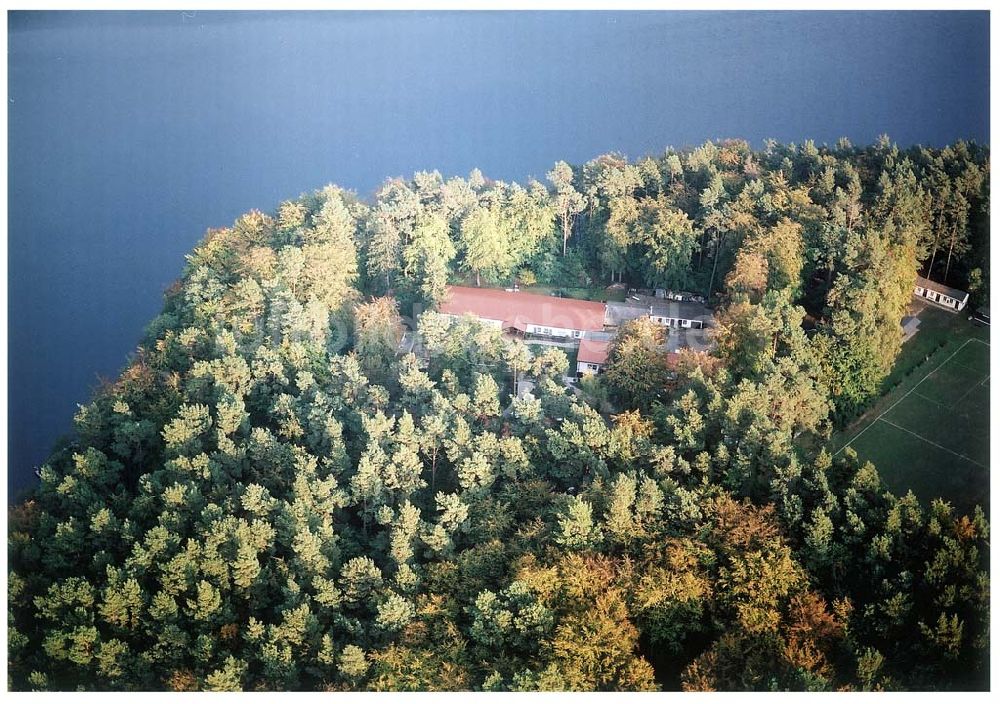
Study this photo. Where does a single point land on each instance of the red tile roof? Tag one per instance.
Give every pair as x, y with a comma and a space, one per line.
593, 351
518, 309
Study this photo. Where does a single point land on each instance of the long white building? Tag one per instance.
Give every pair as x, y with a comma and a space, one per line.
945, 296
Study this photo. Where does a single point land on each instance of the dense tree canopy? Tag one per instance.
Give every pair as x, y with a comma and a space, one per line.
273, 495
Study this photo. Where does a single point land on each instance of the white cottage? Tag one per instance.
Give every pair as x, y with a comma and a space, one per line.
944, 296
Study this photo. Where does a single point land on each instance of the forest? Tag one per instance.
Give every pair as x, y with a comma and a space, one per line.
271, 496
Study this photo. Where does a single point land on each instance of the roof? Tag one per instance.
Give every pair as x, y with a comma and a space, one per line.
593, 351
516, 309
618, 313
929, 285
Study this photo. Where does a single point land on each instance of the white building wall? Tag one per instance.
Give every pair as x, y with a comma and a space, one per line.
587, 368
532, 328
554, 332
940, 298
675, 322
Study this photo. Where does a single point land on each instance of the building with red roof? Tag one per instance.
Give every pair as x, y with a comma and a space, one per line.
526, 313
592, 356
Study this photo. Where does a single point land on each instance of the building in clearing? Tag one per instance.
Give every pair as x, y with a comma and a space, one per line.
944, 296
592, 356
672, 314
525, 313
592, 324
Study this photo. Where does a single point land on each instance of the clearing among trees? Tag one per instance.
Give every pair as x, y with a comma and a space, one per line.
933, 437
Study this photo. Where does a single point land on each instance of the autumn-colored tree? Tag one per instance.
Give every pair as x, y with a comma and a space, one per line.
378, 330
637, 368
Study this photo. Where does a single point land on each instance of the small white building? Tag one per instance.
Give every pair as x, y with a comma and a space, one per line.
592, 356
944, 296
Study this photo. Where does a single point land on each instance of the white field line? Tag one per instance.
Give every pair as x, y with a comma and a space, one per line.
926, 398
931, 442
900, 400
971, 389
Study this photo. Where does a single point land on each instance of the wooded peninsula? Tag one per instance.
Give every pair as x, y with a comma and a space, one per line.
309, 477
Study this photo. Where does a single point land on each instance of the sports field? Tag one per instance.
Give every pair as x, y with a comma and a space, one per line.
931, 435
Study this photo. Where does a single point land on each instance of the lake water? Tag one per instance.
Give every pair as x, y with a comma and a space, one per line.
130, 134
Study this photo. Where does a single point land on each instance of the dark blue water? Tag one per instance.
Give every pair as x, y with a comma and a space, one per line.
129, 135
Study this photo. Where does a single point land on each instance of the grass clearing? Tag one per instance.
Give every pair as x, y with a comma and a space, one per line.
907, 463
958, 427
930, 432
940, 330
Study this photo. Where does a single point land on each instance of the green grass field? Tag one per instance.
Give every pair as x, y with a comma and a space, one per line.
940, 330
930, 433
